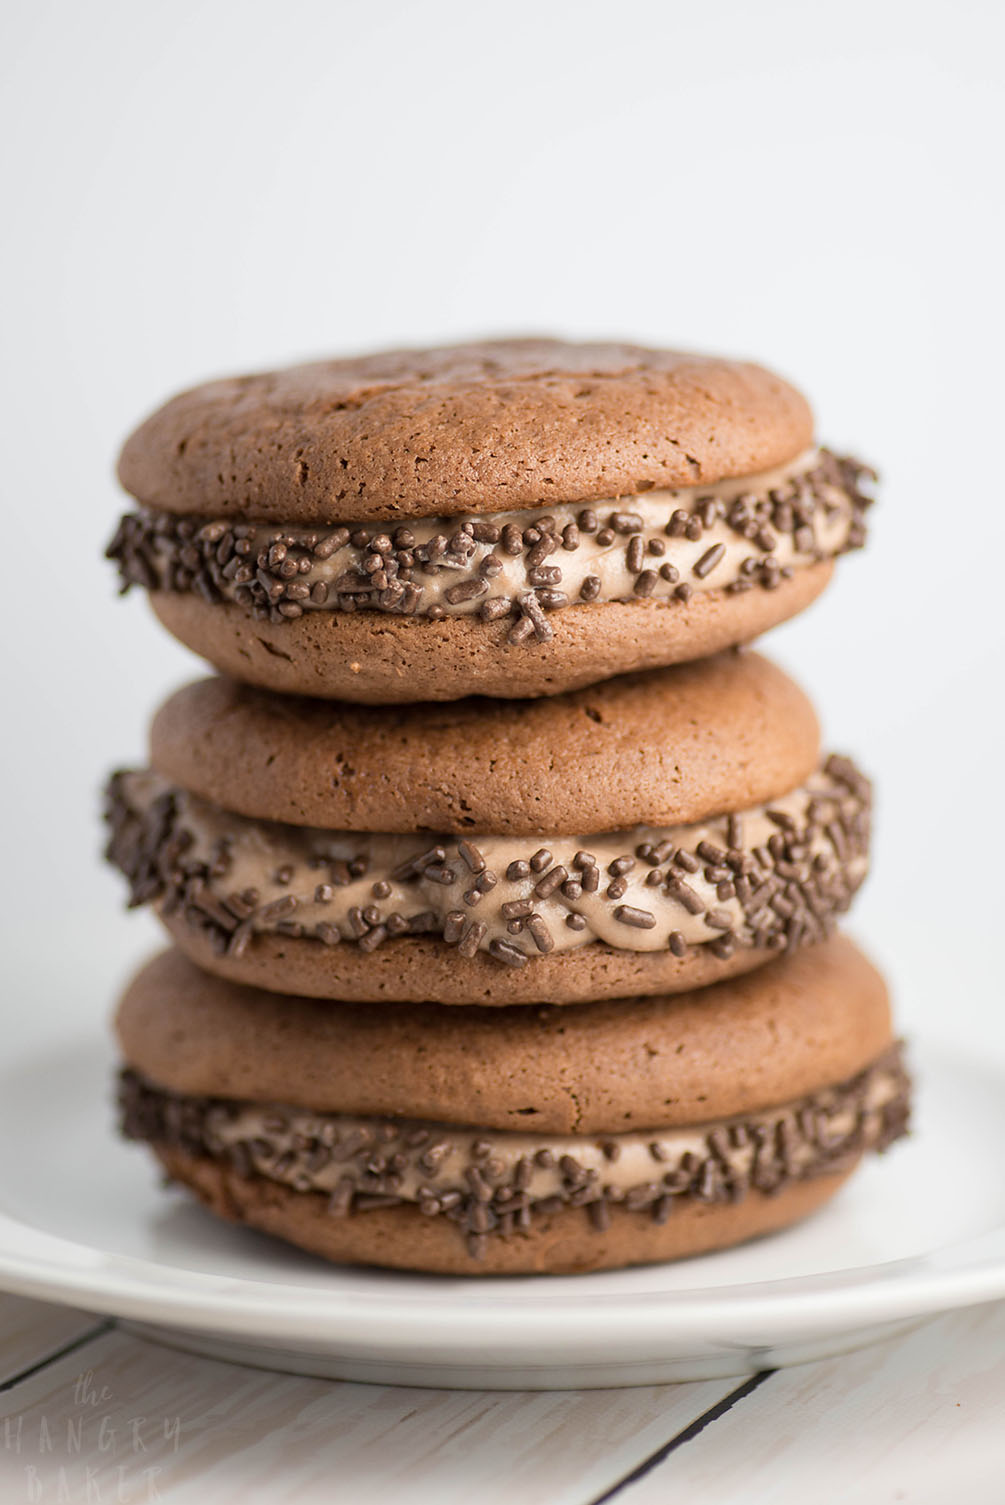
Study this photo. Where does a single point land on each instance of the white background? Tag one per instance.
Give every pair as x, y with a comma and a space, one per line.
195, 188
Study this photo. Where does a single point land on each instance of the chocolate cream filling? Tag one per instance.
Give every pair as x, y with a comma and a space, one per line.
665, 545
491, 1182
775, 876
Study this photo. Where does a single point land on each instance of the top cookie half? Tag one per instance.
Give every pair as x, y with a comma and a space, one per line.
515, 517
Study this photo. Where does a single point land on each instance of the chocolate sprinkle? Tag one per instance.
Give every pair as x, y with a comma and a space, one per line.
708, 561
642, 919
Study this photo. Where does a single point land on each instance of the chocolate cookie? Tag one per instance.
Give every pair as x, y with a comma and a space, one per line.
514, 518
541, 1140
653, 833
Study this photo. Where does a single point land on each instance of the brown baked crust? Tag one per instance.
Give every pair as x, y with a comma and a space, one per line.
482, 427
377, 659
657, 748
559, 1243
778, 1034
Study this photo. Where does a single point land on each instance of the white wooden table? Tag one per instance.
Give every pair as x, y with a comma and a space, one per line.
90, 1413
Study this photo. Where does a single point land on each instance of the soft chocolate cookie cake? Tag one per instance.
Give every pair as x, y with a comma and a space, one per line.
512, 518
516, 1141
655, 832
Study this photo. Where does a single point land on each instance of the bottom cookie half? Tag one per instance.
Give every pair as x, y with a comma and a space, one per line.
440, 1197
562, 1242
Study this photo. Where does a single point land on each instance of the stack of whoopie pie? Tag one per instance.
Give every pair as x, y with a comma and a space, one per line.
502, 884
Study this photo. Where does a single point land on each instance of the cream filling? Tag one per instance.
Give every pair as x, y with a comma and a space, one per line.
533, 893
418, 1162
596, 562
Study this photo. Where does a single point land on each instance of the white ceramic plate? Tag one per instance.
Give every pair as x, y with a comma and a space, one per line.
84, 1221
